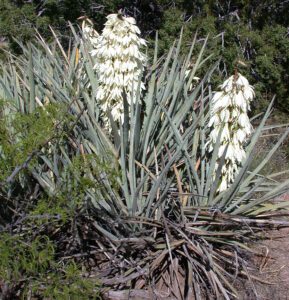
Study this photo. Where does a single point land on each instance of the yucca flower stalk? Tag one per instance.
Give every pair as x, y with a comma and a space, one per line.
119, 63
229, 113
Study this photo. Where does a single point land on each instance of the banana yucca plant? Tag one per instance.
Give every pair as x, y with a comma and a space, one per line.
162, 228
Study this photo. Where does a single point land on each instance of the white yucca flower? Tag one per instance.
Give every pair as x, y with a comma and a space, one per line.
194, 79
119, 63
90, 36
89, 33
229, 113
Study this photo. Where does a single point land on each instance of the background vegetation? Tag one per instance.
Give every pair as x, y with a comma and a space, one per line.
251, 31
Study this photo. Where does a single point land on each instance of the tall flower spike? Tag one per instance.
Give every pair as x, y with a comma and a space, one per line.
119, 63
229, 108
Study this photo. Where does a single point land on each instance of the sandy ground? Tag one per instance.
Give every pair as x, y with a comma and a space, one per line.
273, 267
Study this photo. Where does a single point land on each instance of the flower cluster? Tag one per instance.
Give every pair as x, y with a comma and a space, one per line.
228, 113
90, 35
119, 63
194, 79
89, 32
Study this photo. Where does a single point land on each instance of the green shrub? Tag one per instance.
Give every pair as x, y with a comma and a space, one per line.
29, 266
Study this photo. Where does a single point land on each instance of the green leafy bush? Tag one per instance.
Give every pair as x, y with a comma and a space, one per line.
23, 134
30, 267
